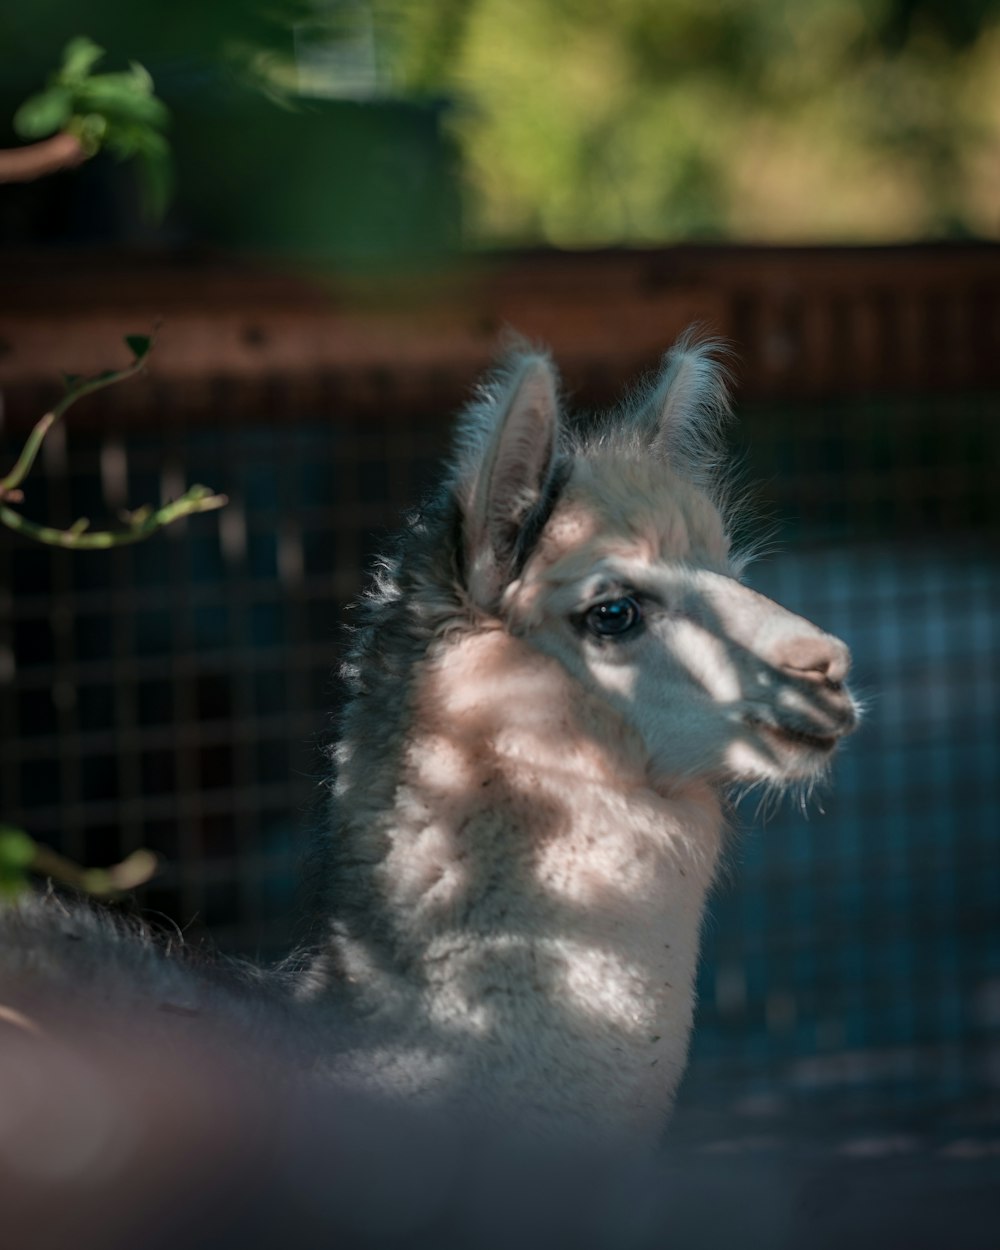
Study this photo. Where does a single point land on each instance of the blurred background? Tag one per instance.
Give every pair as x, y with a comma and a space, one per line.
365, 194
363, 128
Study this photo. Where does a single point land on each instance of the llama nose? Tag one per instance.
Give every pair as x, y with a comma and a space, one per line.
817, 658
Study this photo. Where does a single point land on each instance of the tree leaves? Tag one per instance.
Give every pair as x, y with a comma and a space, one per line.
124, 98
43, 114
79, 57
116, 111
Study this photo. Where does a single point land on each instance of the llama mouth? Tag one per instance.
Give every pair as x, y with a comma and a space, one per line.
786, 735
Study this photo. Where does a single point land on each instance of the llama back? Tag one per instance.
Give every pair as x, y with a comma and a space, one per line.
60, 959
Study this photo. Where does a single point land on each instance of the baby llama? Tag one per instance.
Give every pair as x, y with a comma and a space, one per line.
556, 679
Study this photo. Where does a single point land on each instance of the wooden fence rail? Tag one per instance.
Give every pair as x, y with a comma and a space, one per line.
805, 322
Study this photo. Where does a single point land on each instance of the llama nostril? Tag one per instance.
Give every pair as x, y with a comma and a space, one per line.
818, 659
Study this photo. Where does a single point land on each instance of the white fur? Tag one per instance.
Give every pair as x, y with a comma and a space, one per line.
553, 824
528, 817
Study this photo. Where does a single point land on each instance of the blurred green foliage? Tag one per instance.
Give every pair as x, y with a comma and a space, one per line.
17, 854
117, 112
582, 122
778, 120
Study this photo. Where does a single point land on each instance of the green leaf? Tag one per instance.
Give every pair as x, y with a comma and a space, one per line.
43, 114
138, 516
72, 380
119, 98
138, 344
17, 850
91, 130
156, 176
141, 77
125, 140
79, 57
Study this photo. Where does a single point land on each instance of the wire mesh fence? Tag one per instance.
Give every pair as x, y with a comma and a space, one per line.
853, 954
177, 695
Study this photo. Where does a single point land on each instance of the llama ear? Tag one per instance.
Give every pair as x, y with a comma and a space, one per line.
688, 405
511, 439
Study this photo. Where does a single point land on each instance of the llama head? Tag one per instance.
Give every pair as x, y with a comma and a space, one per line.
606, 548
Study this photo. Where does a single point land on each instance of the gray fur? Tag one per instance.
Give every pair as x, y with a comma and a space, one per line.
679, 414
521, 838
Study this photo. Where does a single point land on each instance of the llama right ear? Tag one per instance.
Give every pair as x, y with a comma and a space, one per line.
511, 438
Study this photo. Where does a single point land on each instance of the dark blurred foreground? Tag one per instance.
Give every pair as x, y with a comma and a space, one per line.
114, 1136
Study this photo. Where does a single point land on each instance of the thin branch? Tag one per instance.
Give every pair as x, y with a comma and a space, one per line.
36, 160
142, 523
133, 871
9, 485
35, 439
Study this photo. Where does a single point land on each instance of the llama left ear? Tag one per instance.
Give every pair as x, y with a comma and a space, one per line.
508, 473
688, 406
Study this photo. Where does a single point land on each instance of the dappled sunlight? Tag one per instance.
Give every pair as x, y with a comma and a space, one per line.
546, 699
557, 818
600, 983
583, 978
558, 815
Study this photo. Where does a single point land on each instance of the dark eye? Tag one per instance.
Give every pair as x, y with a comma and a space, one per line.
613, 618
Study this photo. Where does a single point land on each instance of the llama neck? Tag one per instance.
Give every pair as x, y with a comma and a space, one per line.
534, 905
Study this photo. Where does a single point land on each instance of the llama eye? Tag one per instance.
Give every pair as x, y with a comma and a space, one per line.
613, 618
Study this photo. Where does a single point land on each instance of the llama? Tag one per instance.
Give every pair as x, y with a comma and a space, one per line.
556, 680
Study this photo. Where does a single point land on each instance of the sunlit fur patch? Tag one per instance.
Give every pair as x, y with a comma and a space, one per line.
598, 983
706, 684
641, 507
603, 984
